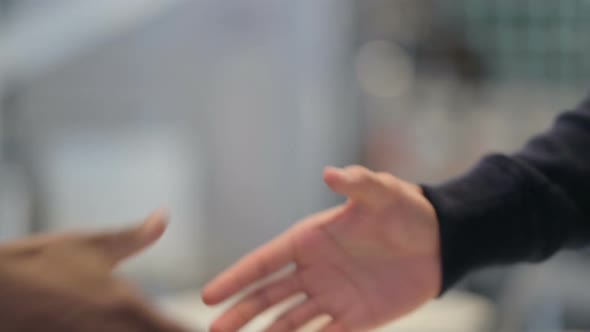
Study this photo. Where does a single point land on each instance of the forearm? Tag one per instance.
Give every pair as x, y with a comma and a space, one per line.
522, 207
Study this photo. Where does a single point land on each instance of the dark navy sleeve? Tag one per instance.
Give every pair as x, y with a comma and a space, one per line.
520, 207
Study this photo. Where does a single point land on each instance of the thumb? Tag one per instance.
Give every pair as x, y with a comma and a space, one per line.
119, 245
357, 183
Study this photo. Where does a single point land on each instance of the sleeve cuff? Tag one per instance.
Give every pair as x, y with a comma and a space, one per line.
491, 216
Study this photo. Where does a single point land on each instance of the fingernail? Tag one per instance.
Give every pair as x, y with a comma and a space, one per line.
163, 213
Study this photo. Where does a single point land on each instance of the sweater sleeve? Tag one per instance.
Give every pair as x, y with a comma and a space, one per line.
520, 207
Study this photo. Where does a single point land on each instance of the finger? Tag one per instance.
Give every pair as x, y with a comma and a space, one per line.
116, 246
262, 262
335, 326
296, 317
33, 244
357, 183
255, 303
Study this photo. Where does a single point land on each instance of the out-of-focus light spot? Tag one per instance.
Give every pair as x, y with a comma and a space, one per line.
384, 69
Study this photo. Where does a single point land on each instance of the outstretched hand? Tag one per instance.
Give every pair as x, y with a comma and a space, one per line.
364, 263
64, 283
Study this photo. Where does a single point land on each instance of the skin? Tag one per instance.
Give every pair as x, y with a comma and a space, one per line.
64, 282
364, 263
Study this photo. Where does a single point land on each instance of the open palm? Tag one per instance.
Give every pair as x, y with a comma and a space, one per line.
364, 263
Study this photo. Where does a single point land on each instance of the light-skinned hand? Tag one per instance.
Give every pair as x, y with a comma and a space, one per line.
366, 262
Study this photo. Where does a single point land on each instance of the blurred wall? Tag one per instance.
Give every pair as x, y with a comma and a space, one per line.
224, 111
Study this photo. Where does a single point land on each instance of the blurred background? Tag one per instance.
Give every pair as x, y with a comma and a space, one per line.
227, 111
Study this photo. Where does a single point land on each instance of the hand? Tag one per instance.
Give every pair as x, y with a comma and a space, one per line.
63, 283
364, 263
